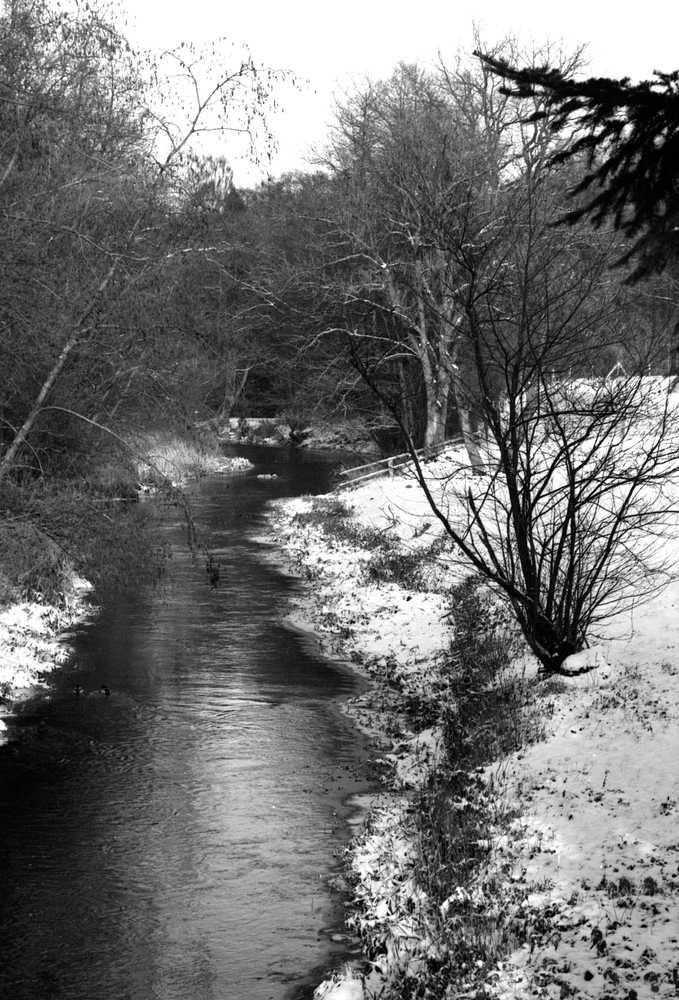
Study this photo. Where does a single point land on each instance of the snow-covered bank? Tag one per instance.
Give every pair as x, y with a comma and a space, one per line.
582, 887
30, 647
178, 471
399, 635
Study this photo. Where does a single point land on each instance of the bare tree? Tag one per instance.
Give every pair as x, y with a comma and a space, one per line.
91, 182
569, 519
570, 487
406, 163
424, 159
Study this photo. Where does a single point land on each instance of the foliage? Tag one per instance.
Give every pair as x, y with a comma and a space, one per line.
48, 532
102, 198
629, 135
305, 371
105, 203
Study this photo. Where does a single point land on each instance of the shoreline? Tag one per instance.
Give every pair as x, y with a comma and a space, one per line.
583, 883
33, 633
33, 644
377, 713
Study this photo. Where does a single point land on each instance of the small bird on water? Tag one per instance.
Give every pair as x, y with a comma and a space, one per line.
212, 570
105, 690
77, 690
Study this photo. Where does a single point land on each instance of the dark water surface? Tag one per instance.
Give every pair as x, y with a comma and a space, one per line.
174, 840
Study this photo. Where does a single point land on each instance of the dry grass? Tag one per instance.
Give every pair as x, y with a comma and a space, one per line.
165, 456
462, 813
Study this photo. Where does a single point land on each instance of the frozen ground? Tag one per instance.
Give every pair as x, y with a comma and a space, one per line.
590, 870
29, 644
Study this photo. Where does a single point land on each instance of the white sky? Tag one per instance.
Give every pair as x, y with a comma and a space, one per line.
327, 44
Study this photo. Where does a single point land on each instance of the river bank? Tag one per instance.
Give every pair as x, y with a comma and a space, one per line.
200, 806
353, 436
30, 644
31, 631
577, 890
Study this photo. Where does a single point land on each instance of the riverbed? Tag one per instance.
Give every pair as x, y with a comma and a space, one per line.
174, 838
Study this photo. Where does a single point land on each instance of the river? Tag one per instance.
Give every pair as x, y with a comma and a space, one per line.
174, 838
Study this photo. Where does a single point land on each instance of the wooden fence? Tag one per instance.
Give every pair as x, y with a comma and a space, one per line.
388, 466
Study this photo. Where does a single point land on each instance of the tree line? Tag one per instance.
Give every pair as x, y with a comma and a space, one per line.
437, 270
138, 281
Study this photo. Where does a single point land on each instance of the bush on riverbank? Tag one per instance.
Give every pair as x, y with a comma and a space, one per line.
431, 907
462, 814
163, 457
91, 524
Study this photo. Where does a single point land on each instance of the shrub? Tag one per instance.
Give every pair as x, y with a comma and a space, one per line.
413, 569
335, 519
176, 457
264, 430
50, 530
494, 710
32, 566
322, 512
490, 712
391, 561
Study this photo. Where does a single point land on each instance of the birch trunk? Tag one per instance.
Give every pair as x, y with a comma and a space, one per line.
79, 333
472, 430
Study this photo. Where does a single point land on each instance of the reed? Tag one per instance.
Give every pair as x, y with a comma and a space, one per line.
165, 456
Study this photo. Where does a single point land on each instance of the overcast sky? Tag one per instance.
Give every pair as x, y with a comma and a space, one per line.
328, 44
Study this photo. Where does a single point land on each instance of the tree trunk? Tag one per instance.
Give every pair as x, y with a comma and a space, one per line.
472, 434
437, 390
234, 389
78, 334
22, 434
407, 412
472, 429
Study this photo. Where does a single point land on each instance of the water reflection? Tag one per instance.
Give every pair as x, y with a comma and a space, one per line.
173, 840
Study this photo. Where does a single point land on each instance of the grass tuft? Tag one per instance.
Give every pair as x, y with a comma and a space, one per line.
390, 561
166, 456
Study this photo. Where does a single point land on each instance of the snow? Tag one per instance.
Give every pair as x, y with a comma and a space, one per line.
602, 796
590, 868
29, 643
589, 871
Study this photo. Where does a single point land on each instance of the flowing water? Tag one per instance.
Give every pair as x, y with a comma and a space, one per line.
173, 839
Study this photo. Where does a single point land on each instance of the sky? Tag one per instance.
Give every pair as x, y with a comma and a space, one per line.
327, 46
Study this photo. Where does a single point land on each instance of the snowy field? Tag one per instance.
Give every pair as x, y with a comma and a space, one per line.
590, 867
589, 870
